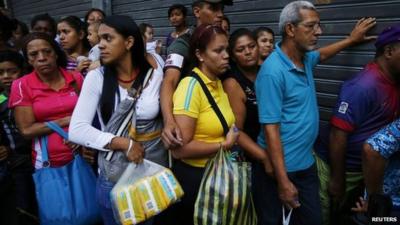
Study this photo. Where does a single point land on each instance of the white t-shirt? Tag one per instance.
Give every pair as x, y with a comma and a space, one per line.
159, 59
81, 130
151, 47
94, 53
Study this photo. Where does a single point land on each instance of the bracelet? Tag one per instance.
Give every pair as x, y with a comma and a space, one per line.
129, 147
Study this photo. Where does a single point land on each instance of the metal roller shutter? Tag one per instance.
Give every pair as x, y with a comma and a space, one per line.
25, 10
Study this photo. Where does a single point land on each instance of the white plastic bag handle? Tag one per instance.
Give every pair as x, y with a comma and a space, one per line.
286, 220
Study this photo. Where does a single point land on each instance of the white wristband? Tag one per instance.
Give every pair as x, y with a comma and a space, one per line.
129, 147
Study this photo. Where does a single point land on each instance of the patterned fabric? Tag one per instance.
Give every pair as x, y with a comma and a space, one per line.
71, 64
125, 123
386, 142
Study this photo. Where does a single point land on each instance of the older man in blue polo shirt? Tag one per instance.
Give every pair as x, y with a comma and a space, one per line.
288, 112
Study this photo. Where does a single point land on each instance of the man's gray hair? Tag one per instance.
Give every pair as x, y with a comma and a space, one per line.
291, 13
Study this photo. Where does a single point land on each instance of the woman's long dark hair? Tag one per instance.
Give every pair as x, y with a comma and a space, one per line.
125, 26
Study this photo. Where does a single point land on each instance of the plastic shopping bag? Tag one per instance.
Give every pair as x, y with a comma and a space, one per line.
286, 218
144, 190
224, 196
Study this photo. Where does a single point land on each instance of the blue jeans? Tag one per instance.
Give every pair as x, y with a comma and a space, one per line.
103, 189
269, 206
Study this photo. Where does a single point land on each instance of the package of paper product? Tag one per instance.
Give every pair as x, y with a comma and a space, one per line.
143, 191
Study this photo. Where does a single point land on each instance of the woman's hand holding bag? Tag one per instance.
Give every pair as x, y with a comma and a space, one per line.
135, 152
230, 138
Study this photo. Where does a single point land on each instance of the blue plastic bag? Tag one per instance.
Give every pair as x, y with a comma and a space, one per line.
65, 195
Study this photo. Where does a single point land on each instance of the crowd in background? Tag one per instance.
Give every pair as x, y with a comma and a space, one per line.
78, 72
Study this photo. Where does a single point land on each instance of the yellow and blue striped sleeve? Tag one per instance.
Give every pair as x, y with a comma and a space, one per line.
187, 98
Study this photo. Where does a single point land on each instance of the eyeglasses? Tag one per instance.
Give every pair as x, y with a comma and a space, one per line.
311, 26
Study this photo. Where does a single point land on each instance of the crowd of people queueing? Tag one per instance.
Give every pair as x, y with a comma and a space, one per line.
76, 73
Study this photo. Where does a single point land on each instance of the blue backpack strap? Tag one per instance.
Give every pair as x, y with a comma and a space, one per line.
56, 128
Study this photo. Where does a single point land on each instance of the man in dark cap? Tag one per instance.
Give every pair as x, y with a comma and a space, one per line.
367, 102
178, 65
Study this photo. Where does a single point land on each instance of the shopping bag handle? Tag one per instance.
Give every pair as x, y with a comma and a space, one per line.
44, 141
56, 128
45, 154
286, 219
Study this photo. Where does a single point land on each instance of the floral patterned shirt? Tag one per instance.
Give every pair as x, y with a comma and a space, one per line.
387, 142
